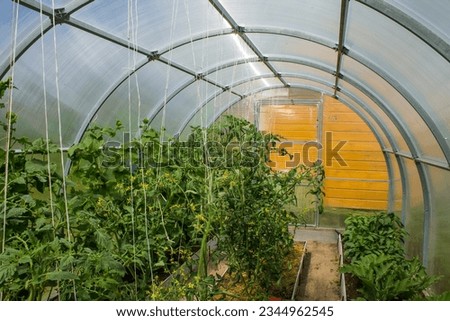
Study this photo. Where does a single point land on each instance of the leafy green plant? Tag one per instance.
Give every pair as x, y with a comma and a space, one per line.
389, 277
374, 246
125, 218
253, 223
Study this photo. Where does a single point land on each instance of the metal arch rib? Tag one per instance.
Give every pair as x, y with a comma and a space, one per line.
49, 11
392, 82
240, 31
24, 45
340, 45
105, 97
426, 35
437, 134
36, 34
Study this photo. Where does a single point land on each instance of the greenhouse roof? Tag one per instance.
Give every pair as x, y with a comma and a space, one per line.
183, 63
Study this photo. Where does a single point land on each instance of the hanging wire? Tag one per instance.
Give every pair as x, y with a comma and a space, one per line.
61, 149
47, 139
162, 136
142, 169
9, 124
44, 89
132, 47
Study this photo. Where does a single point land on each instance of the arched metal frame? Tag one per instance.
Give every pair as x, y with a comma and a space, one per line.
63, 15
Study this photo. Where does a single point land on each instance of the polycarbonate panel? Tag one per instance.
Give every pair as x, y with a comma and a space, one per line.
140, 95
238, 72
316, 17
350, 91
177, 110
87, 67
57, 3
426, 142
413, 210
209, 113
292, 68
439, 237
10, 27
284, 46
256, 85
210, 53
384, 142
434, 17
406, 58
156, 24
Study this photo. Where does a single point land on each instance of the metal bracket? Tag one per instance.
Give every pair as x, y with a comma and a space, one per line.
61, 16
154, 55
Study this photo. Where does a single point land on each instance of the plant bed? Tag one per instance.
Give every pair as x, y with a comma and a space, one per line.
231, 287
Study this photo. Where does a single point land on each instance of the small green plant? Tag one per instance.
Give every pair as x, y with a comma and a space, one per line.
374, 246
373, 234
389, 277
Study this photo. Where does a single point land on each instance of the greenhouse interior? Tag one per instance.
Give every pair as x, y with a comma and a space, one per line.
214, 149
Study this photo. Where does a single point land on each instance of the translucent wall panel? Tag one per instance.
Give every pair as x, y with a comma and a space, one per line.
378, 131
290, 47
87, 66
210, 52
438, 258
316, 17
58, 3
237, 73
399, 105
413, 210
406, 58
22, 27
141, 95
394, 133
292, 68
210, 112
244, 108
434, 17
157, 24
177, 110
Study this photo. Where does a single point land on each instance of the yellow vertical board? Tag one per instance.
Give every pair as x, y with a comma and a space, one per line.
297, 125
355, 168
360, 179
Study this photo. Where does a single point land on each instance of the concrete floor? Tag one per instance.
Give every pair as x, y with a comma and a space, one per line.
321, 235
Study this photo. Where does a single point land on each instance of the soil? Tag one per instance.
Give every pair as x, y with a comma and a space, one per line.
283, 291
320, 276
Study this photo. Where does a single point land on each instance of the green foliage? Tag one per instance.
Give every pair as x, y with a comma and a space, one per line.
373, 234
253, 225
129, 216
374, 246
389, 277
314, 176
